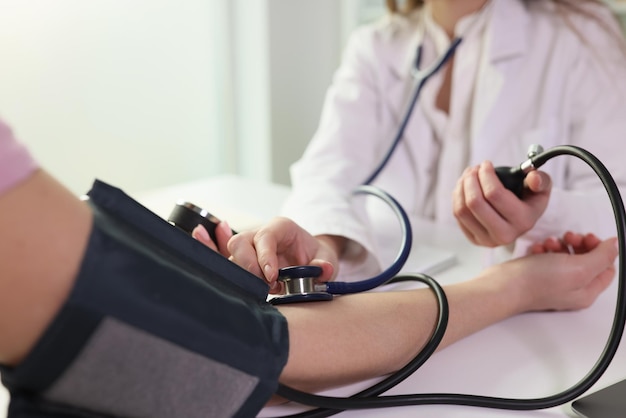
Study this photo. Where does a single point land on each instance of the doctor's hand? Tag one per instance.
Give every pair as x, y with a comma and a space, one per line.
491, 215
282, 243
571, 243
223, 233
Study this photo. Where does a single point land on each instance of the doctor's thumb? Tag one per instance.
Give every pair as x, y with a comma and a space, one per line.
328, 270
538, 182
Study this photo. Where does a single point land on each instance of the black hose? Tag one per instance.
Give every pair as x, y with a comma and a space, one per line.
391, 381
369, 398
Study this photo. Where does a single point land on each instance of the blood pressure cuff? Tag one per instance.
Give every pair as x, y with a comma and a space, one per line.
157, 325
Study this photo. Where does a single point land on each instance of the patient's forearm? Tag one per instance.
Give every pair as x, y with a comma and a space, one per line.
44, 233
361, 336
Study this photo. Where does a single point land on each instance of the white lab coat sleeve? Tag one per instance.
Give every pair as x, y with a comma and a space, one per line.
340, 156
597, 99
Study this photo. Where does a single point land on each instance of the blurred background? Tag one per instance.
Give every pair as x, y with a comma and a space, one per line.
148, 93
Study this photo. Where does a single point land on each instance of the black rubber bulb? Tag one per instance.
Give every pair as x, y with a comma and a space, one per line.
512, 178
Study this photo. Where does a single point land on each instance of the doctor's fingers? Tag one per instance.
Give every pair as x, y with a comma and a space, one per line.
478, 214
244, 253
537, 189
279, 243
581, 243
565, 281
201, 234
538, 182
471, 228
595, 273
522, 214
222, 233
571, 242
514, 216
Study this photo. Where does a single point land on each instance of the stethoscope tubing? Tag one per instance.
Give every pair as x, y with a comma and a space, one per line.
340, 288
421, 77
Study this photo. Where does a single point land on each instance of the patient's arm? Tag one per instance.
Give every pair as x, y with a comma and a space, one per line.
370, 334
44, 230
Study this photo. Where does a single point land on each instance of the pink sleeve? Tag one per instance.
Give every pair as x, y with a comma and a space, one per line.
16, 163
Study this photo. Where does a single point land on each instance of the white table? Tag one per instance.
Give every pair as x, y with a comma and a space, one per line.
532, 355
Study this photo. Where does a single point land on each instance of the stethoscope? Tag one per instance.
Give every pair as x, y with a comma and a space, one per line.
420, 76
513, 179
370, 397
300, 282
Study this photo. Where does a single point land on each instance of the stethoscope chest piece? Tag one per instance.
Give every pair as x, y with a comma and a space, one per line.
300, 285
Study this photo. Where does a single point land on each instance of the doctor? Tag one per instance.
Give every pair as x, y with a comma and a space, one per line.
545, 72
526, 72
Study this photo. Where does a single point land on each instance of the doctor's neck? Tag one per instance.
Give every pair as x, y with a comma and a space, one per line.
448, 12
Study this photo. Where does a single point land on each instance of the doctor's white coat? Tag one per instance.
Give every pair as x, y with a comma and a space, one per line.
538, 81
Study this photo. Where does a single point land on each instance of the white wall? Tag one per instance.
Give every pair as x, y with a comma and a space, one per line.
117, 89
304, 52
284, 55
306, 39
147, 93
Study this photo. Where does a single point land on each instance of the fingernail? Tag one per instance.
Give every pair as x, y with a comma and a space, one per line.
267, 270
201, 234
225, 227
